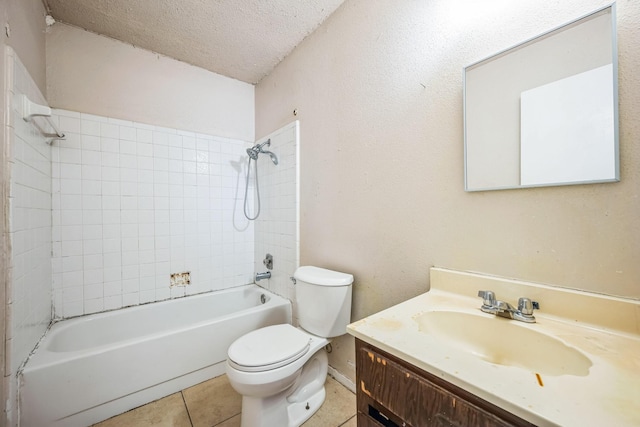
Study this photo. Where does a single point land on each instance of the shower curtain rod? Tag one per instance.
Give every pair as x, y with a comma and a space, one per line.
30, 110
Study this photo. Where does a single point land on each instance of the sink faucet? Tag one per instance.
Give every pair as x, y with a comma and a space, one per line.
523, 313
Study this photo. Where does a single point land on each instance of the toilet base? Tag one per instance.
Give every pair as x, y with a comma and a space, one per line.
293, 406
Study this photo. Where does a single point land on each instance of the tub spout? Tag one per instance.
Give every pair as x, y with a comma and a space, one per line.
265, 275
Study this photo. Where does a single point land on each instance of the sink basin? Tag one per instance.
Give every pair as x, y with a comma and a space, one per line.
504, 342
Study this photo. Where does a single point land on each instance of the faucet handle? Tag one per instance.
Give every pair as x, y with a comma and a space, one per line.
488, 297
526, 306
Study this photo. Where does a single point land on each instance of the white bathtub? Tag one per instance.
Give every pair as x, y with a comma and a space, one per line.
90, 368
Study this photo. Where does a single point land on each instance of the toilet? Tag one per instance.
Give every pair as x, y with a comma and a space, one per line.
280, 370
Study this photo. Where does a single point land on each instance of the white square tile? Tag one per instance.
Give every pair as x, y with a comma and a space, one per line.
92, 232
70, 186
109, 159
146, 176
144, 149
130, 258
110, 145
72, 278
130, 299
112, 289
111, 216
113, 302
71, 248
148, 270
130, 285
92, 262
147, 296
160, 151
112, 274
109, 130
93, 277
93, 246
110, 259
90, 142
95, 305
91, 158
71, 232
160, 138
72, 308
110, 173
130, 272
127, 147
91, 187
92, 216
90, 127
70, 171
146, 203
91, 172
127, 133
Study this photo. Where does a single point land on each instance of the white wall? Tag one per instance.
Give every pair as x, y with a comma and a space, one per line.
98, 75
378, 90
277, 227
28, 289
134, 203
22, 23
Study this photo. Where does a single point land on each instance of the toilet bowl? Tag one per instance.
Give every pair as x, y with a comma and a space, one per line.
280, 370
289, 387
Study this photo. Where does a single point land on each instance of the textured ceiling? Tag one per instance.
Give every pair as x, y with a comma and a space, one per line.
242, 39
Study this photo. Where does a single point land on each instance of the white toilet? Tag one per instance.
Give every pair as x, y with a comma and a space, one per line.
281, 370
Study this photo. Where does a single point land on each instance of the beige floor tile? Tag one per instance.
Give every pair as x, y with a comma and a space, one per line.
231, 422
353, 422
338, 407
169, 411
212, 402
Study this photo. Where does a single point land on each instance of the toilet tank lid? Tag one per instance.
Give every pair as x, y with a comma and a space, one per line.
322, 276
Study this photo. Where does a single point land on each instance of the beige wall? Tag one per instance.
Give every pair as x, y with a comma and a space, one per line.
378, 89
94, 74
25, 19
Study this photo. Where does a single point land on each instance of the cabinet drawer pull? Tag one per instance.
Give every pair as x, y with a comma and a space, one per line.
381, 418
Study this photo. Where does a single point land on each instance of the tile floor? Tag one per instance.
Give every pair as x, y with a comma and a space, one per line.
215, 403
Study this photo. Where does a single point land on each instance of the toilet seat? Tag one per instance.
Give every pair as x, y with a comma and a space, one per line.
268, 348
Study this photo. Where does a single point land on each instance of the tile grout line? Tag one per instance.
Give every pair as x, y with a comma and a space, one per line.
227, 419
347, 420
186, 407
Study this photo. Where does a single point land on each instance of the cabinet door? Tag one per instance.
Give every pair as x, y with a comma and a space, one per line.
414, 399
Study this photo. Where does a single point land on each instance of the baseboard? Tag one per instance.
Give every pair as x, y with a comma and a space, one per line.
333, 373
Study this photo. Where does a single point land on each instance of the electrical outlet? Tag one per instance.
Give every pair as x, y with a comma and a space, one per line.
180, 279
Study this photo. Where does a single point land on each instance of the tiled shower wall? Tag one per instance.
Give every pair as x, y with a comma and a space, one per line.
134, 203
28, 292
276, 229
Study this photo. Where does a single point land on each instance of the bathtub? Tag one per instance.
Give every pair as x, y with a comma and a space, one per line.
90, 368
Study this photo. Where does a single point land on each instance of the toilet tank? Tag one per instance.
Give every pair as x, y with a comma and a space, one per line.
323, 301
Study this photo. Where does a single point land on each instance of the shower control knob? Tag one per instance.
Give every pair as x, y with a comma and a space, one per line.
268, 261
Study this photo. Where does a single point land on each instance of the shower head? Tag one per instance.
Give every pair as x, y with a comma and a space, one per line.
274, 158
255, 151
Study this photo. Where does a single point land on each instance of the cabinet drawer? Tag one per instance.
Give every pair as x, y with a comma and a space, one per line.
414, 398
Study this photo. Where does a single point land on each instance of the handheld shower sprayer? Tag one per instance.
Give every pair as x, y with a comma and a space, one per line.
253, 153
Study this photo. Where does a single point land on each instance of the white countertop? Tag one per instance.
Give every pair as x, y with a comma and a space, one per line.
609, 395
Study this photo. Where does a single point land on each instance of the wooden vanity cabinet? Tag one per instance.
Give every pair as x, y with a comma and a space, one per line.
391, 392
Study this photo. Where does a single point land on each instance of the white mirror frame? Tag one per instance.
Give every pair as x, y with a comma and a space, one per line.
506, 135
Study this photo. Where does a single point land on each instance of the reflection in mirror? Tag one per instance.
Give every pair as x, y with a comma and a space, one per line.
545, 112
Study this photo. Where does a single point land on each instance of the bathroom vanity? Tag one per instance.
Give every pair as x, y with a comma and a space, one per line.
392, 392
438, 360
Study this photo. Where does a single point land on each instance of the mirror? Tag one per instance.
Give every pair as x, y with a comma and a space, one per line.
545, 112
